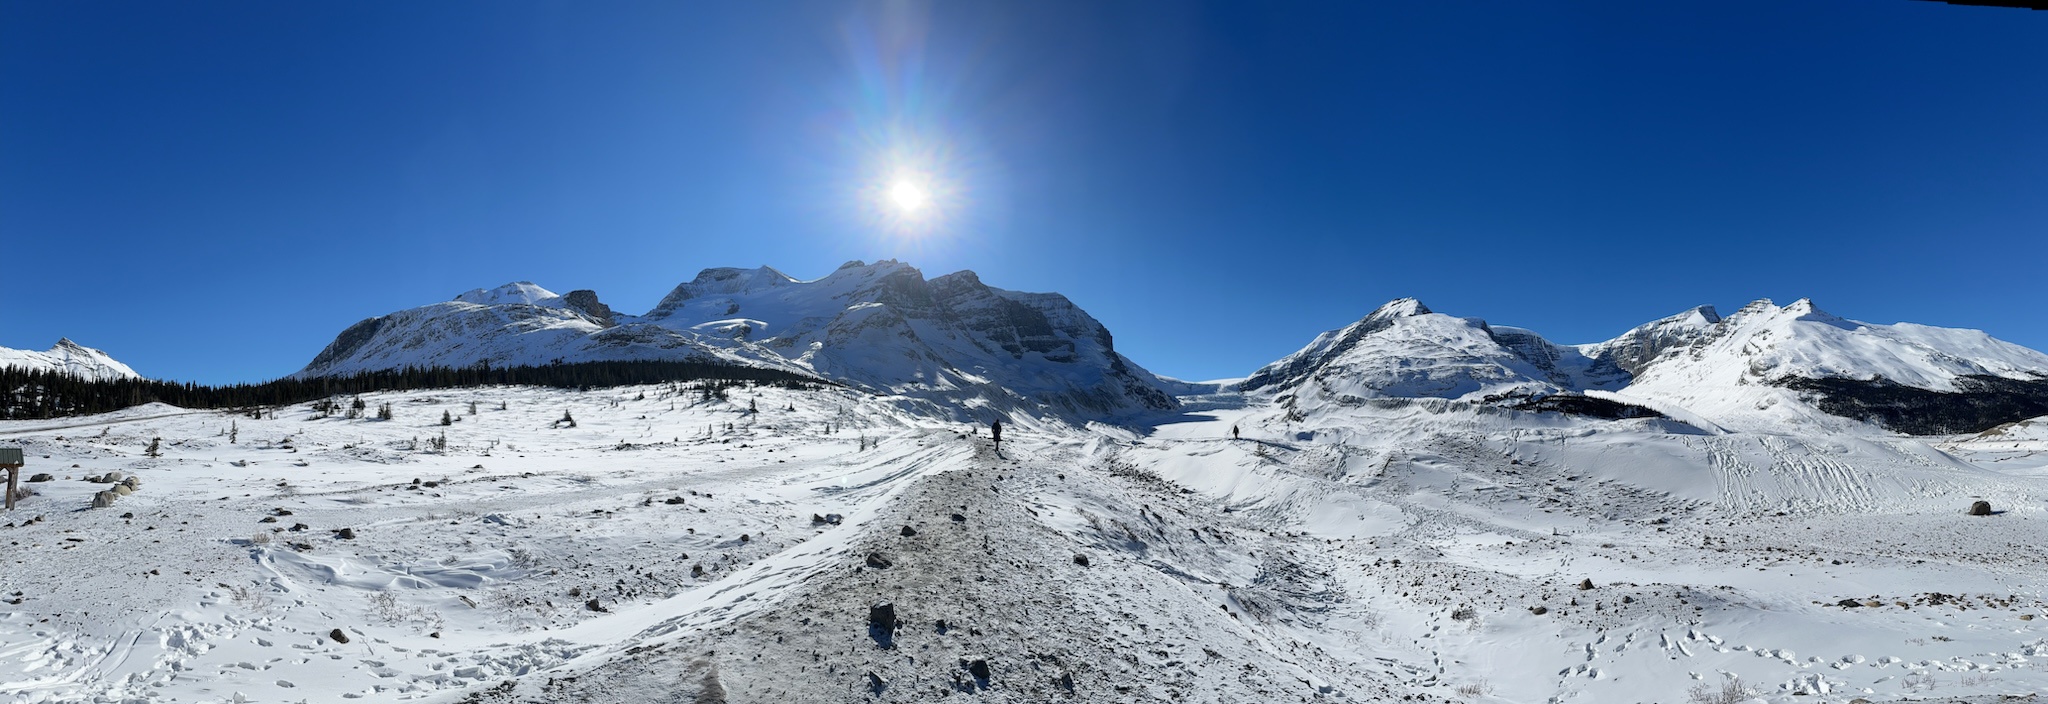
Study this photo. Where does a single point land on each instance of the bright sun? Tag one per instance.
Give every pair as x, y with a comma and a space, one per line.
908, 197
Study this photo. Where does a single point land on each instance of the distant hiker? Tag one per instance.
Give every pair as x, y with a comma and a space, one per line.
1233, 432
995, 430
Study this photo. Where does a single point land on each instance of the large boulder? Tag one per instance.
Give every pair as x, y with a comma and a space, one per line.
42, 477
104, 499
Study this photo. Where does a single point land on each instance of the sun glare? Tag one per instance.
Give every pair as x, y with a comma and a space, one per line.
908, 197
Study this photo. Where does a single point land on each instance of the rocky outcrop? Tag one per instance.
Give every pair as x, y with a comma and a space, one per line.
585, 301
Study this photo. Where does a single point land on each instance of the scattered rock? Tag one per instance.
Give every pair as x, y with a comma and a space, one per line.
1539, 610
957, 518
1081, 560
673, 500
594, 606
1848, 603
299, 527
1980, 508
876, 684
337, 636
346, 534
978, 668
877, 561
908, 531
104, 499
122, 489
42, 477
267, 519
1585, 584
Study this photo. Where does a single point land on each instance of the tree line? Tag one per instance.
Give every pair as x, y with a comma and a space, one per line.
28, 394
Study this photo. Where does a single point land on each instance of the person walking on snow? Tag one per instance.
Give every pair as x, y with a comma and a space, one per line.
1233, 432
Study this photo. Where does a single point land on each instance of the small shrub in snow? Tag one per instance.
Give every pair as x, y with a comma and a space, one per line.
1731, 692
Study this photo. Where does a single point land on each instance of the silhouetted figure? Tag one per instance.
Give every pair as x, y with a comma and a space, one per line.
995, 430
1233, 432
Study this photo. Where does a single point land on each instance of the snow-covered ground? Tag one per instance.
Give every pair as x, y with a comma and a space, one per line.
673, 548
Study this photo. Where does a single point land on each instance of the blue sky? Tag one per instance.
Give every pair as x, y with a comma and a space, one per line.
211, 190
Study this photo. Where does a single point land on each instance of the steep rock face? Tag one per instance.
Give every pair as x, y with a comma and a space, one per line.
70, 358
970, 349
951, 339
585, 301
1634, 350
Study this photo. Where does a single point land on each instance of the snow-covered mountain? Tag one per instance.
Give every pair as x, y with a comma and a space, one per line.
1767, 365
70, 358
1405, 350
952, 340
1759, 368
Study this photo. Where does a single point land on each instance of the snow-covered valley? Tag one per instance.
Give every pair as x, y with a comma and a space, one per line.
1426, 548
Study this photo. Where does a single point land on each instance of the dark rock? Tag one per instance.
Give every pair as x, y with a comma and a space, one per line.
585, 301
1980, 508
957, 518
877, 561
346, 534
1585, 584
267, 519
42, 477
673, 500
882, 624
594, 606
298, 527
1539, 610
337, 636
1081, 560
908, 531
1066, 681
1849, 603
978, 668
876, 684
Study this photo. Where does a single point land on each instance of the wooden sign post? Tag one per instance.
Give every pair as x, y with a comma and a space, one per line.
10, 460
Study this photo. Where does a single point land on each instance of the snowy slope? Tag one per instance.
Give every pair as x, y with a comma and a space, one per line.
69, 358
513, 325
1404, 350
952, 342
1736, 371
